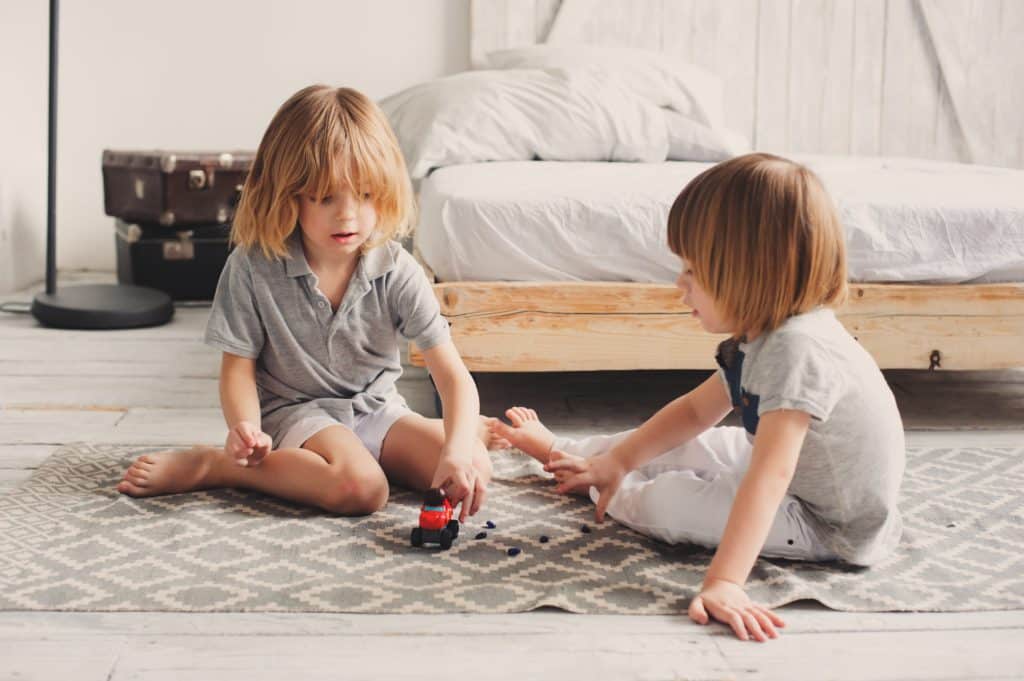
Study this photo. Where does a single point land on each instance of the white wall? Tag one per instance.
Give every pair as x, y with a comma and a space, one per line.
188, 74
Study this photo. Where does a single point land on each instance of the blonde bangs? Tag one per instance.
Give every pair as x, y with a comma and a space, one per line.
762, 238
322, 139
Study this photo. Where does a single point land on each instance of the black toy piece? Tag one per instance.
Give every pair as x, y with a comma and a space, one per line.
436, 524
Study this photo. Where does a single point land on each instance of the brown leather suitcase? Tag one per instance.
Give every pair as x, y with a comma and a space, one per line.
173, 188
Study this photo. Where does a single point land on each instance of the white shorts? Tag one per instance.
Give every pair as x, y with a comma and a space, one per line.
371, 429
685, 494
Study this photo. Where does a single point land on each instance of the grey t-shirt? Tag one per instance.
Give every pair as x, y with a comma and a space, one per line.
851, 463
309, 358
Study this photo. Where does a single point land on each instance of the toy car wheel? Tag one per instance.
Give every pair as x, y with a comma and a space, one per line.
417, 536
446, 539
453, 527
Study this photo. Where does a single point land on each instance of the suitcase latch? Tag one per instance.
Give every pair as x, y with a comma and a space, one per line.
182, 249
198, 179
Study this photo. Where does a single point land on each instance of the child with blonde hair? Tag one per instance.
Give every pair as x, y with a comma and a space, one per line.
308, 313
814, 472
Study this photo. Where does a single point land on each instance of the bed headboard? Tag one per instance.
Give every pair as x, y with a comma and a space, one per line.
940, 79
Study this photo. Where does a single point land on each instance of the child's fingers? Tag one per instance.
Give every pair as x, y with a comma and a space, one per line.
735, 620
572, 465
752, 625
772, 617
246, 435
602, 506
478, 497
697, 612
763, 622
467, 503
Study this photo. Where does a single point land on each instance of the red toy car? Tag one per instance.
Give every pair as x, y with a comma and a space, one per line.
436, 523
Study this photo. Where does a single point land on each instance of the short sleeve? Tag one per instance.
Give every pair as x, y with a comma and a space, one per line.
414, 307
793, 371
234, 325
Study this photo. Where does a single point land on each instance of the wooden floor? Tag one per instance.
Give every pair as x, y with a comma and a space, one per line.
158, 386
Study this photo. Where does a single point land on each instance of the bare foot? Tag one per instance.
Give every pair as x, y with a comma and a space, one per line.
526, 433
169, 472
487, 435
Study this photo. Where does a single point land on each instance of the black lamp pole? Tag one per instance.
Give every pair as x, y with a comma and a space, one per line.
51, 160
92, 306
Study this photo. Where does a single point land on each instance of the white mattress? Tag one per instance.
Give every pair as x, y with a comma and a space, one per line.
906, 220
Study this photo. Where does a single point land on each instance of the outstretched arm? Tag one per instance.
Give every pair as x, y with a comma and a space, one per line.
461, 403
680, 420
239, 401
780, 435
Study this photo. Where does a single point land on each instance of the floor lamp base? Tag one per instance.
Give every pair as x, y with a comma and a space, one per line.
103, 306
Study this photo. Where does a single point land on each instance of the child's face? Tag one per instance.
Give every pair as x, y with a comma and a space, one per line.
703, 304
337, 224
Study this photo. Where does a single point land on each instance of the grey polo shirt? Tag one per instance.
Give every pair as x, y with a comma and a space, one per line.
310, 359
851, 464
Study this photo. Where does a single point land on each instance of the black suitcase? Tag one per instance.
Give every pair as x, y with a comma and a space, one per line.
184, 263
173, 188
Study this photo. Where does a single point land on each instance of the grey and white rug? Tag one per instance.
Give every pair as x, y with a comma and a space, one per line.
68, 541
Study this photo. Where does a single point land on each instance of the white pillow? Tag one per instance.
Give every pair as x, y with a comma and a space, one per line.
522, 115
683, 87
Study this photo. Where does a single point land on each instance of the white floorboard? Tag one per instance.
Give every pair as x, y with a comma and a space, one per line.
158, 387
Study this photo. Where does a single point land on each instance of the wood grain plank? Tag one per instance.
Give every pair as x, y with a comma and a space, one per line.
773, 77
866, 82
910, 96
524, 326
107, 392
54, 427
809, 51
24, 457
802, 618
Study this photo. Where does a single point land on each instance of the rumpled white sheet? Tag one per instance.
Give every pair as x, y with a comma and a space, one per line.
906, 220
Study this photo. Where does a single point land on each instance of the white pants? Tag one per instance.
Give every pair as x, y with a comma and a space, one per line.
684, 495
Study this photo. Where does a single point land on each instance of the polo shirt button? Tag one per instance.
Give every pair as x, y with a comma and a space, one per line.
322, 304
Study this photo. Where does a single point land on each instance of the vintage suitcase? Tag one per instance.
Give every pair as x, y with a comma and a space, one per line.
184, 263
173, 188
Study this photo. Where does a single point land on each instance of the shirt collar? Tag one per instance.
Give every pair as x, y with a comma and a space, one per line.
373, 264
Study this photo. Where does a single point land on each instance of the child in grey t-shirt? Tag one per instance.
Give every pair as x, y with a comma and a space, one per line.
815, 471
308, 315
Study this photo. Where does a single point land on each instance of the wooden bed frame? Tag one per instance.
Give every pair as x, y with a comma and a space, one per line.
553, 326
572, 326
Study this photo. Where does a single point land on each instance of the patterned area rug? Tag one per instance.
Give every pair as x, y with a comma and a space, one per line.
69, 542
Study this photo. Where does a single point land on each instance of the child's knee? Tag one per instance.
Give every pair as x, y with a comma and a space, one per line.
355, 493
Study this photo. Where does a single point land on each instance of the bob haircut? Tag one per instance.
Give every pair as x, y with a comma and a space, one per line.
762, 238
323, 138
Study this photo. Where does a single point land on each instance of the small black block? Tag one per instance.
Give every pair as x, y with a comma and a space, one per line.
514, 551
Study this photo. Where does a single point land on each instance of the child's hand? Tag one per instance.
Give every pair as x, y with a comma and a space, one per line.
728, 603
247, 444
462, 483
576, 474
